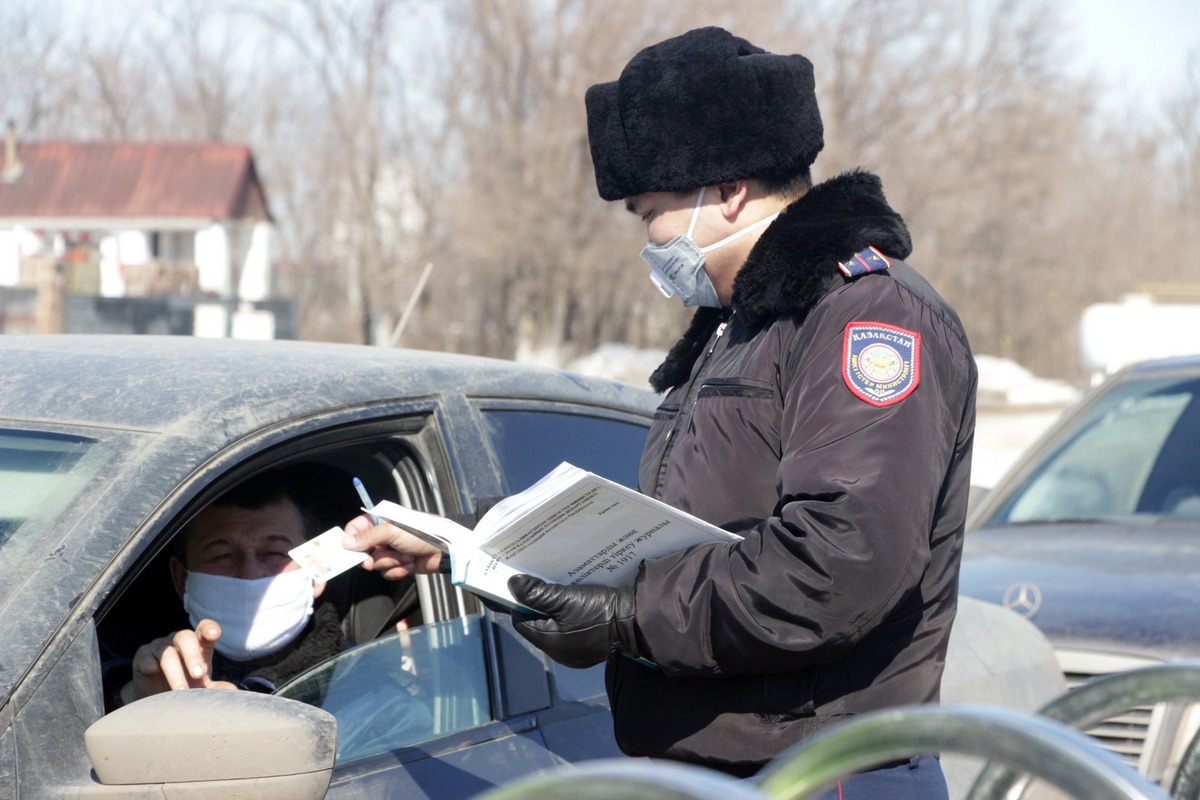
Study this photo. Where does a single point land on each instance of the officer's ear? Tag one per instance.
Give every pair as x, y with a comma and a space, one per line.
734, 195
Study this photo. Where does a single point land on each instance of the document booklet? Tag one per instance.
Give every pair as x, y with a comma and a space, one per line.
570, 527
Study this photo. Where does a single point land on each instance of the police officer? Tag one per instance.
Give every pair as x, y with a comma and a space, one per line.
821, 404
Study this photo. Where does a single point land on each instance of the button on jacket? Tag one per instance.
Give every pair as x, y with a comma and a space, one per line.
828, 418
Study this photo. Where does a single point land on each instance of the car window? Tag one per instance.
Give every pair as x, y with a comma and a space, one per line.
42, 476
1134, 453
405, 688
392, 460
529, 444
42, 473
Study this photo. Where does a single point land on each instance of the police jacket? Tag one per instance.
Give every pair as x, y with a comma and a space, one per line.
828, 417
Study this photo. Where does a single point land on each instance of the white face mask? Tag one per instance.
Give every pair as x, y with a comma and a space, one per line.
257, 617
677, 267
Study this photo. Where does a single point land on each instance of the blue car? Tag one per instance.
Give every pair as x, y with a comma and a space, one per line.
1094, 535
109, 445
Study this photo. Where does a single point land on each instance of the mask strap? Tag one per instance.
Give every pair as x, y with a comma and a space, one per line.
742, 232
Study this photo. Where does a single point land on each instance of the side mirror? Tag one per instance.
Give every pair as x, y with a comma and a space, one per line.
216, 742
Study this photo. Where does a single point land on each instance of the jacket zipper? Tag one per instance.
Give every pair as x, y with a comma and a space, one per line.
720, 330
700, 373
681, 417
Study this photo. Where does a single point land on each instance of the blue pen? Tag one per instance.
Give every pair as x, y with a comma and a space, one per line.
366, 498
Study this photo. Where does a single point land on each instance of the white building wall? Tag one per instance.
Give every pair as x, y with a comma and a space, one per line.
256, 263
133, 247
112, 276
10, 257
16, 243
216, 250
213, 259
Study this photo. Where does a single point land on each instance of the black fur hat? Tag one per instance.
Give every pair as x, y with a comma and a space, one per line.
699, 109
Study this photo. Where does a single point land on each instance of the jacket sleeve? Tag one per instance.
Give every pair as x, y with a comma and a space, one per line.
858, 484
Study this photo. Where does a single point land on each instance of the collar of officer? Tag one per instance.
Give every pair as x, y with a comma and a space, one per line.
795, 262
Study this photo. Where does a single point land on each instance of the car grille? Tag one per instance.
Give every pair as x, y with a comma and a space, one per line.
1148, 738
1126, 734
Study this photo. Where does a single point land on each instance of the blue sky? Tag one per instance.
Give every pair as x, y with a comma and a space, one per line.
1138, 47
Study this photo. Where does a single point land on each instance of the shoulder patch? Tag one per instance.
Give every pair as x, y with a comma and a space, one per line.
864, 262
881, 364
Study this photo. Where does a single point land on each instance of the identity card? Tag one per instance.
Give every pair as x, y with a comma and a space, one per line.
324, 557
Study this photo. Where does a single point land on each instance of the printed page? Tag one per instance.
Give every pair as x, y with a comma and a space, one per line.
594, 531
509, 510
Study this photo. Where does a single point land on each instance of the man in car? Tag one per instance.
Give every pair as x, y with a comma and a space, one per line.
255, 616
821, 405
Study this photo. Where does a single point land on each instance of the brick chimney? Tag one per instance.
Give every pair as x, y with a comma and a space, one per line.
12, 162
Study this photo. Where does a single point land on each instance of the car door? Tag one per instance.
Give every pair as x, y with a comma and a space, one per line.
103, 508
535, 714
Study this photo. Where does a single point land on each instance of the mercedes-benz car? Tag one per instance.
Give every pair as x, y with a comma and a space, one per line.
109, 445
1094, 535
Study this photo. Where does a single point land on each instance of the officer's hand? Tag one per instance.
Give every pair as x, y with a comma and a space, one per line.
392, 551
585, 625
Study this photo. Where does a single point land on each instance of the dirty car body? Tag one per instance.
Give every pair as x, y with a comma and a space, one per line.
108, 445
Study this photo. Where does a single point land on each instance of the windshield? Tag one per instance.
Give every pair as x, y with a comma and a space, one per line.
1134, 451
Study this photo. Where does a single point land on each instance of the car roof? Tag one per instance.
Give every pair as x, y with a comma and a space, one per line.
159, 383
1184, 364
174, 412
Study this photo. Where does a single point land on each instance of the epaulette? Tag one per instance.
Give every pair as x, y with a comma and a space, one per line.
864, 262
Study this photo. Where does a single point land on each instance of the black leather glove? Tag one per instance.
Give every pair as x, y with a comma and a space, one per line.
584, 625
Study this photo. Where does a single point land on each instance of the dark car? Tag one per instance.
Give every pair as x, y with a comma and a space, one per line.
1094, 535
108, 445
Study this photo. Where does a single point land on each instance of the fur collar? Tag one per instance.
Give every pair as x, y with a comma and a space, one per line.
794, 264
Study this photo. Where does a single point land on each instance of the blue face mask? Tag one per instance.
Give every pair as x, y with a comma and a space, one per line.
677, 267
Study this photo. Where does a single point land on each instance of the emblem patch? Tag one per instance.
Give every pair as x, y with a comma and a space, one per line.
881, 364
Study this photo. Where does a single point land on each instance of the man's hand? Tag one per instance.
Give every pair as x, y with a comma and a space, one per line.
392, 551
182, 660
586, 625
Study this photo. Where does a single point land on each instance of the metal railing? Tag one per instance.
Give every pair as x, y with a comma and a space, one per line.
1090, 703
1055, 752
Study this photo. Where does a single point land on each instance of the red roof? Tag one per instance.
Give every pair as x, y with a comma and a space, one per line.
211, 180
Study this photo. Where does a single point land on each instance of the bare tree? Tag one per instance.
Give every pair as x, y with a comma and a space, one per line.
1183, 143
986, 147
393, 135
204, 57
543, 265
32, 78
352, 50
